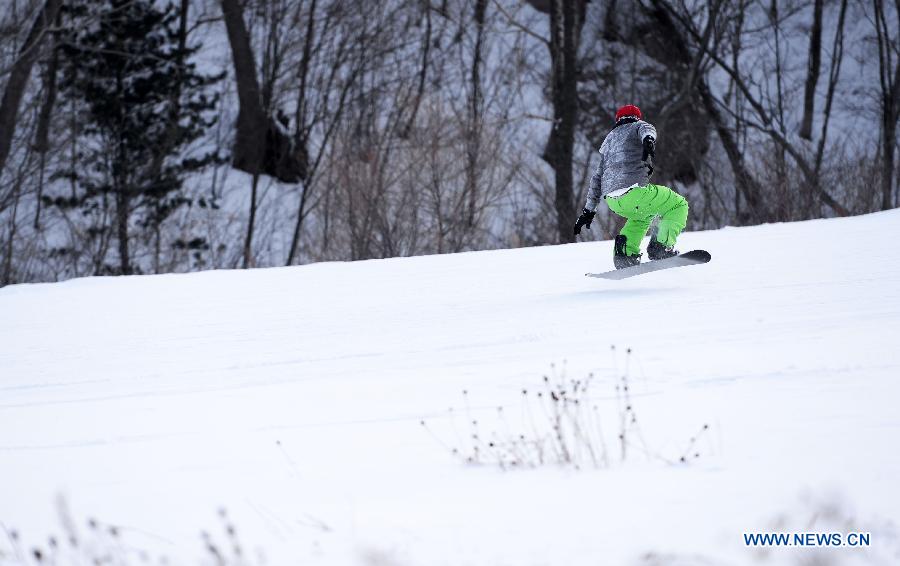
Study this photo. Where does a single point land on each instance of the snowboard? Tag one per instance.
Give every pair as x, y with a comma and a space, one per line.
692, 257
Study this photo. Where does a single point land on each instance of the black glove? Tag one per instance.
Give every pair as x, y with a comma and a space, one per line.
649, 153
587, 216
649, 148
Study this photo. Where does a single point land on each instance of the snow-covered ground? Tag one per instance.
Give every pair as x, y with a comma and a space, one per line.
293, 398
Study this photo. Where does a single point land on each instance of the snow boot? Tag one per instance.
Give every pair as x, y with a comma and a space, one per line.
658, 251
621, 259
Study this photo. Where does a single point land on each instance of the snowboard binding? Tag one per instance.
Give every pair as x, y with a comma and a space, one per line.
620, 258
656, 250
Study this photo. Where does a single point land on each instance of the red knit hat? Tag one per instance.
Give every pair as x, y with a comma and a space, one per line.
629, 111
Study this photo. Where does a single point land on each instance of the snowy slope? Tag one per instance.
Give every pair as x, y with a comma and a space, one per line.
292, 397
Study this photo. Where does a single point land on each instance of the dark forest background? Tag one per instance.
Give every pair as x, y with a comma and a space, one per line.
141, 136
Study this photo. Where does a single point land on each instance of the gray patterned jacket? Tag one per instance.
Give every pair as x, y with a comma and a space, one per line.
620, 161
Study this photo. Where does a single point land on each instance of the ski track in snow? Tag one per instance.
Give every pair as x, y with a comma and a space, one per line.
292, 397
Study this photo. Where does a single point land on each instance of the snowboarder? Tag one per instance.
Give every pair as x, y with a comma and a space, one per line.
622, 180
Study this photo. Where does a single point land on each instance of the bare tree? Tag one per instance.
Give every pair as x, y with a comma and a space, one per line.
812, 73
476, 104
261, 146
328, 69
408, 126
766, 120
665, 39
566, 22
21, 71
889, 83
42, 136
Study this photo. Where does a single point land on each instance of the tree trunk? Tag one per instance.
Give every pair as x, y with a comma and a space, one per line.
42, 136
250, 138
18, 77
122, 188
259, 145
248, 242
889, 143
890, 114
298, 226
473, 137
812, 72
834, 72
122, 204
423, 75
566, 19
10, 243
890, 99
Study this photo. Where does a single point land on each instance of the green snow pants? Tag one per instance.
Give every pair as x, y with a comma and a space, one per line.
641, 205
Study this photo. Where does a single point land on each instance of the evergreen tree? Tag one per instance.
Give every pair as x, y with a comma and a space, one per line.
127, 64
